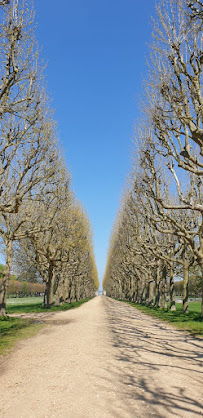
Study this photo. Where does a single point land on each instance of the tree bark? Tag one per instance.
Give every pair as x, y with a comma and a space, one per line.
132, 289
172, 290
185, 286
59, 293
66, 290
78, 289
49, 290
6, 276
137, 291
200, 262
143, 291
202, 295
157, 288
151, 293
163, 303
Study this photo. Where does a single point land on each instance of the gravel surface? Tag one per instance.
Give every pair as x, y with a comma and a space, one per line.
105, 359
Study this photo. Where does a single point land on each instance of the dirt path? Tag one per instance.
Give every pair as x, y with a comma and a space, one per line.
105, 359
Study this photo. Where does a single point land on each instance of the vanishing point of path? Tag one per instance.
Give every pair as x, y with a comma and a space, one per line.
104, 359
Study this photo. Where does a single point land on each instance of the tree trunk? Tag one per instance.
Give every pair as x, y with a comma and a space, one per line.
202, 296
138, 290
5, 281
73, 296
131, 289
49, 290
120, 292
201, 266
69, 293
157, 288
66, 290
150, 293
78, 289
172, 290
143, 292
200, 262
163, 303
185, 286
147, 294
59, 299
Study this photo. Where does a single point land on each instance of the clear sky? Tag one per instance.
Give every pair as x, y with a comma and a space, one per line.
96, 52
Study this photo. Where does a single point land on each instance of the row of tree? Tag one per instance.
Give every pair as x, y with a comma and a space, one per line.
39, 215
158, 233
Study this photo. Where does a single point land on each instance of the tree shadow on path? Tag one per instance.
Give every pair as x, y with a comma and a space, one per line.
160, 367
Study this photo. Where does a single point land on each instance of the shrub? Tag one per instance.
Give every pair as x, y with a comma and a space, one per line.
21, 289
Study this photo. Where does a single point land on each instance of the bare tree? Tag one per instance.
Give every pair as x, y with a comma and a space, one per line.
175, 85
169, 214
28, 142
27, 128
165, 216
29, 159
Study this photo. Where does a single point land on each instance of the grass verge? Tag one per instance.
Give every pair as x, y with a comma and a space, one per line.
14, 329
191, 321
34, 305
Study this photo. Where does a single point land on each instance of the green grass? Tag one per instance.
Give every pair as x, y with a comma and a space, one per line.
34, 305
191, 321
11, 301
15, 329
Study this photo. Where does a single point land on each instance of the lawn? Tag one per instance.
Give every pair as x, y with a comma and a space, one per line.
34, 304
191, 321
13, 329
12, 302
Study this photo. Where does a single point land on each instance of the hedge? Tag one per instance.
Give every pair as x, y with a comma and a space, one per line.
17, 288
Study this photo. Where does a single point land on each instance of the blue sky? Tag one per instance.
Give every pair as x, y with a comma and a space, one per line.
96, 52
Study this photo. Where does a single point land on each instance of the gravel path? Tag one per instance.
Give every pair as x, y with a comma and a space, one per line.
105, 359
